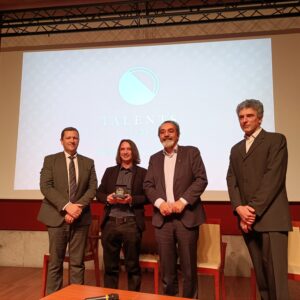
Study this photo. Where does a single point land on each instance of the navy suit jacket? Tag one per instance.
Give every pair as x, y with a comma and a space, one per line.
189, 183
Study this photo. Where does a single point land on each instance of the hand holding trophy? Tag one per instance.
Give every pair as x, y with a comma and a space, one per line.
121, 195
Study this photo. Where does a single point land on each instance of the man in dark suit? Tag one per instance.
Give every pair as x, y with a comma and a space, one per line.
174, 182
121, 190
68, 182
256, 185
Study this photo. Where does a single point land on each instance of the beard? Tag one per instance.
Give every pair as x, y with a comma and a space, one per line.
168, 143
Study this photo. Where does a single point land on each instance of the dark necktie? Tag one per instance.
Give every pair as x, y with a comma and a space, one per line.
72, 179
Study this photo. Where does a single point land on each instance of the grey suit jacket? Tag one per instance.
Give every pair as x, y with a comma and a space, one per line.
257, 178
55, 188
190, 182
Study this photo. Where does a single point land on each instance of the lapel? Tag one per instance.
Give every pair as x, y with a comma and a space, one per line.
115, 173
134, 170
114, 176
160, 164
62, 169
242, 148
178, 163
80, 168
258, 140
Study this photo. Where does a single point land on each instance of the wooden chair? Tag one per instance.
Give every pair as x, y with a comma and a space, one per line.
211, 254
147, 261
148, 258
293, 252
151, 261
293, 258
149, 253
90, 254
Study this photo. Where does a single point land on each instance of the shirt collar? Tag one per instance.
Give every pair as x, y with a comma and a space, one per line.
124, 169
67, 155
254, 134
175, 150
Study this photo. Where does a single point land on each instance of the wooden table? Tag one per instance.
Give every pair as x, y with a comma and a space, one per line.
80, 292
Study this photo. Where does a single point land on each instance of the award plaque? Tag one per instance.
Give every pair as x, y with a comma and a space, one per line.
121, 191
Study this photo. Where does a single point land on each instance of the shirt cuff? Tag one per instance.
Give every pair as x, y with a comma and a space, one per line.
64, 208
183, 201
158, 202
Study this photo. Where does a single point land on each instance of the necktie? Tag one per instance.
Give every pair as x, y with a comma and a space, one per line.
72, 179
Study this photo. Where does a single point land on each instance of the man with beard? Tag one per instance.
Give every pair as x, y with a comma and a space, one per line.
175, 180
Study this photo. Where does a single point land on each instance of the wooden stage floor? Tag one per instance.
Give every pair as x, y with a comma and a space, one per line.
21, 283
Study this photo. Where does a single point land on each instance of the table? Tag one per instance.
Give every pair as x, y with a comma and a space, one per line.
80, 292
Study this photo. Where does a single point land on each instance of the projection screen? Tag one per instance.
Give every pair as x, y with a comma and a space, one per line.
126, 92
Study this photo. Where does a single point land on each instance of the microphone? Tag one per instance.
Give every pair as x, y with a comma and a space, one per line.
105, 297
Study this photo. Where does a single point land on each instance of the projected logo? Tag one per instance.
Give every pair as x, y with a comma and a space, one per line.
138, 86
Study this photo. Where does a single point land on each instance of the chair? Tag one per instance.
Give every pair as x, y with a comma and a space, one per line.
149, 258
293, 252
151, 261
91, 253
211, 254
147, 261
149, 255
293, 258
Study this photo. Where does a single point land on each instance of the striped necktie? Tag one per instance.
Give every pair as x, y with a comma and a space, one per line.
72, 179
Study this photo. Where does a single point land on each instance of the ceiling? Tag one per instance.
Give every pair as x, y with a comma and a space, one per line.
32, 17
25, 4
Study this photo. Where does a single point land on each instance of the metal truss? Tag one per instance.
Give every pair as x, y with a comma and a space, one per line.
138, 14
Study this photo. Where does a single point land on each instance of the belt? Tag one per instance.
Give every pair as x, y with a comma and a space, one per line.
122, 220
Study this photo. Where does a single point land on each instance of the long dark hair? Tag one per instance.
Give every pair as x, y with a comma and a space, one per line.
134, 150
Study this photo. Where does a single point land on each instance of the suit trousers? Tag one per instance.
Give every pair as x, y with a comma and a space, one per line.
59, 237
268, 251
174, 240
126, 236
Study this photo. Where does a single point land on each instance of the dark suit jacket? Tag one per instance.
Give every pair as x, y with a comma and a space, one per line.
108, 186
257, 178
190, 182
55, 188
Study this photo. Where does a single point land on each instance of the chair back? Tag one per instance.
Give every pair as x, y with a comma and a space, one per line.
93, 237
293, 249
209, 243
148, 244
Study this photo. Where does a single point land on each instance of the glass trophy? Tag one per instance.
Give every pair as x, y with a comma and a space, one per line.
121, 191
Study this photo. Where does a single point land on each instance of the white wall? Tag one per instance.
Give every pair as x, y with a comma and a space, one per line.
26, 249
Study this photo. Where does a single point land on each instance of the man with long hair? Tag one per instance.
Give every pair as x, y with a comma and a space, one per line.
121, 190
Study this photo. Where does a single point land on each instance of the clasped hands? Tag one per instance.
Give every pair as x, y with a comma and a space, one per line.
112, 199
73, 210
168, 208
247, 215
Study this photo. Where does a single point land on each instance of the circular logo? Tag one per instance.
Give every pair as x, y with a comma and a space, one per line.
138, 86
